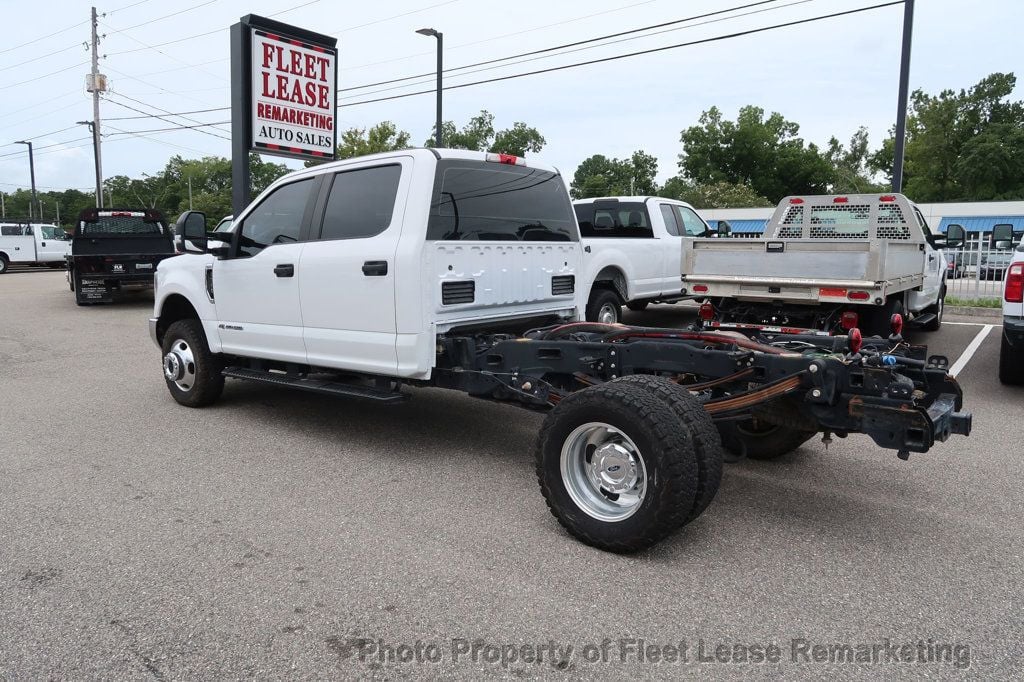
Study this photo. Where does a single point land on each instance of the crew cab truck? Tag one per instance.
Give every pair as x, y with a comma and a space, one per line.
631, 251
374, 277
115, 250
829, 263
1011, 345
29, 243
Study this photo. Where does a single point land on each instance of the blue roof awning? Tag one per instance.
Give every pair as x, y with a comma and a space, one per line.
744, 226
982, 223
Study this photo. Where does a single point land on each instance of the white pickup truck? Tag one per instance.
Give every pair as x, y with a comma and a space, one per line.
1011, 346
452, 269
631, 251
32, 244
827, 262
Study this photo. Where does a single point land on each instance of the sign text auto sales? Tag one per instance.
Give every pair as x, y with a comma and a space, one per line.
293, 96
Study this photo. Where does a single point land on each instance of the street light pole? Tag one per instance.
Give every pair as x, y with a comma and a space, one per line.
32, 173
901, 112
440, 70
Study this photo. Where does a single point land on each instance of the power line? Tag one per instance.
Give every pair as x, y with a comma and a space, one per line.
591, 47
36, 150
559, 47
153, 139
171, 57
42, 56
397, 16
180, 113
164, 118
172, 14
45, 75
164, 130
48, 35
633, 54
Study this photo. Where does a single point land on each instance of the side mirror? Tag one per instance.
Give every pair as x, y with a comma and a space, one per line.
1002, 237
724, 229
191, 227
955, 236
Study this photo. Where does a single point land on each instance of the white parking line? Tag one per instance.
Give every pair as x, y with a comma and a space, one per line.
972, 324
969, 352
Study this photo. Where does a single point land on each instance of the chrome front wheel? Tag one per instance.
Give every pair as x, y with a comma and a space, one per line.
180, 365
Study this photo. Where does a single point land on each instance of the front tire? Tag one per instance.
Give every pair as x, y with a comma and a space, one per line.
1011, 363
604, 306
3, 264
937, 309
191, 371
616, 467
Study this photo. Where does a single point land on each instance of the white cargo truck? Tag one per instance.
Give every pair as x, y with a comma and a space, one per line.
1011, 345
28, 243
829, 263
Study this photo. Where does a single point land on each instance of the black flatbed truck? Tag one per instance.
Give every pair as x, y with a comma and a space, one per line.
116, 249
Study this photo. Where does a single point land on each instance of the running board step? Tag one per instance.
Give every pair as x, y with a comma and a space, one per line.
920, 320
335, 388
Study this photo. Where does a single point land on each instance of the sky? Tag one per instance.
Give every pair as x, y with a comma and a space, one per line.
829, 76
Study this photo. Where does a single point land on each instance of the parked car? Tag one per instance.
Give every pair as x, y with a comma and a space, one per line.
631, 249
457, 270
955, 267
28, 243
993, 264
116, 249
829, 262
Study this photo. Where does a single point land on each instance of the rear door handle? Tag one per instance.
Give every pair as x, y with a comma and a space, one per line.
375, 268
285, 270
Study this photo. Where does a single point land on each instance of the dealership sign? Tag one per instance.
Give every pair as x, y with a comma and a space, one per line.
287, 102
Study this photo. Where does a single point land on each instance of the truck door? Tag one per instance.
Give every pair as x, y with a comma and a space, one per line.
49, 249
256, 291
934, 268
671, 255
348, 272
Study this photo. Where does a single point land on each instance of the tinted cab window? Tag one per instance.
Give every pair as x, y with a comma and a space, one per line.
277, 219
482, 201
361, 202
693, 226
618, 219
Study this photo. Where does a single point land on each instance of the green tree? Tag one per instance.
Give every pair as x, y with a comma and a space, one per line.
600, 176
479, 135
764, 153
964, 145
851, 167
382, 137
713, 195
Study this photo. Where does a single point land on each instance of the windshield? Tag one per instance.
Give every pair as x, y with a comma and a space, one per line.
482, 201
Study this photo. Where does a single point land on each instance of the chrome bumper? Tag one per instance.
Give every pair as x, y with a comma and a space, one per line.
152, 331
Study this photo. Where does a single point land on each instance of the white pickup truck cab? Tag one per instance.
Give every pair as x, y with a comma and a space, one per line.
457, 270
631, 251
33, 244
1011, 347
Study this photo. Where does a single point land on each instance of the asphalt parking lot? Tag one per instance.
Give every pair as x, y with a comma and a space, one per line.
285, 535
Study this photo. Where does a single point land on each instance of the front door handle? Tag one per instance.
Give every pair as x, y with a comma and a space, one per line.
375, 268
285, 270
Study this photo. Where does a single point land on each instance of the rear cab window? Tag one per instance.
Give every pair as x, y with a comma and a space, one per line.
614, 219
484, 201
361, 202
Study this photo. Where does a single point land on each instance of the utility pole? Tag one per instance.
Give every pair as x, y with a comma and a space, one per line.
32, 174
58, 214
190, 192
3, 206
901, 112
97, 84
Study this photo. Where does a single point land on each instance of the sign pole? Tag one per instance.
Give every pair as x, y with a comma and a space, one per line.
241, 118
901, 113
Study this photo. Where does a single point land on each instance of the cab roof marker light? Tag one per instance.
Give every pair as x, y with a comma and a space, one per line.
508, 159
841, 200
796, 200
887, 198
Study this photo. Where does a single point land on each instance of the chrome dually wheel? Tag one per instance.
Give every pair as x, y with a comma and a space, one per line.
603, 472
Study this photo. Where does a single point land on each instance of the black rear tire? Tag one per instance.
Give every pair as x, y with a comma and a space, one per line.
602, 303
667, 470
698, 426
3, 264
1011, 363
756, 439
201, 381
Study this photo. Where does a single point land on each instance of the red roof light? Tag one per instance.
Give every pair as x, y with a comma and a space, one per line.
796, 200
840, 200
888, 198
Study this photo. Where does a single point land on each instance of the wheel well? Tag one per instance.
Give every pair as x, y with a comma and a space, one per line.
4, 256
176, 307
612, 278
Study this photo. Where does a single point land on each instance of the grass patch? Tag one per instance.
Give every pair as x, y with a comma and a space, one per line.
975, 302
